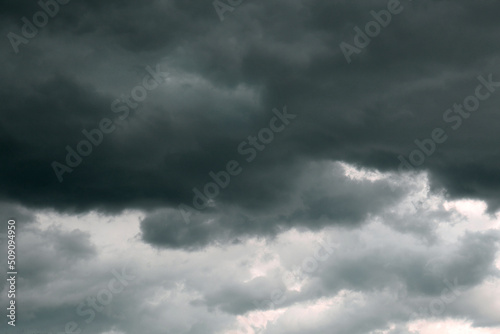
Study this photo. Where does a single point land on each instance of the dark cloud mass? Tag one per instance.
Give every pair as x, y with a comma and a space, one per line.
318, 198
226, 78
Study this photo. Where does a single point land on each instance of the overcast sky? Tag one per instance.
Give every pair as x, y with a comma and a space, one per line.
250, 166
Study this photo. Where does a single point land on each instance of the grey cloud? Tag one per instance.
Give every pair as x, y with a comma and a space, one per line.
321, 197
365, 113
225, 79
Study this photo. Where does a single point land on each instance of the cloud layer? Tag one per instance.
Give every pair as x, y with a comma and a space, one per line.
234, 173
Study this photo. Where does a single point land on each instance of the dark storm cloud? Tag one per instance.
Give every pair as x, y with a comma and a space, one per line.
320, 197
287, 52
224, 79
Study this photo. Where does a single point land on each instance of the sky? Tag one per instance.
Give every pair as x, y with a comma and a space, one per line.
250, 166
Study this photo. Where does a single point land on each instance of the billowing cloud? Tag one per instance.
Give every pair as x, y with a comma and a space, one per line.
225, 79
251, 167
